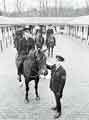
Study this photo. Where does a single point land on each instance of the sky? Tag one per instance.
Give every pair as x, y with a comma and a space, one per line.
28, 4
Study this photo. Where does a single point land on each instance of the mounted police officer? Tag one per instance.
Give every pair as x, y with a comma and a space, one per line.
17, 37
21, 46
50, 42
25, 44
39, 40
49, 30
29, 38
57, 82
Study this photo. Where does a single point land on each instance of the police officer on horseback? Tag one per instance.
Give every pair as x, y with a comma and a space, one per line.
50, 42
29, 38
57, 83
23, 43
39, 40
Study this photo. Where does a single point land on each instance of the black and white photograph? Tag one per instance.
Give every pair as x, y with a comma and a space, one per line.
44, 59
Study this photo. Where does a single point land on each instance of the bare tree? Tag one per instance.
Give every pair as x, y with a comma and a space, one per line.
43, 8
4, 5
40, 7
47, 11
87, 4
19, 5
56, 7
60, 8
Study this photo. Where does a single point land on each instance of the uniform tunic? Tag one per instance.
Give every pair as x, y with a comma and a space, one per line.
58, 79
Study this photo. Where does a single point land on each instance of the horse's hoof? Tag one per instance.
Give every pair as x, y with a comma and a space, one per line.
26, 101
37, 98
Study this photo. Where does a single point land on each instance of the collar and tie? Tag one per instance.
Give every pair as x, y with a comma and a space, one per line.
57, 66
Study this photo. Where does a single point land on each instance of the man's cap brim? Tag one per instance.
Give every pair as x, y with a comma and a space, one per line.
59, 58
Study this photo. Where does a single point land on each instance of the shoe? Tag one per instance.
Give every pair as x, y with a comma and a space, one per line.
58, 114
54, 108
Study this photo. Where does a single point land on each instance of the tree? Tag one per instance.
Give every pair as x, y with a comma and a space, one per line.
47, 10
60, 8
87, 5
56, 13
19, 5
40, 7
4, 5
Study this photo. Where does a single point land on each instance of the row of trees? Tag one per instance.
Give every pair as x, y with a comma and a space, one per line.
44, 9
19, 5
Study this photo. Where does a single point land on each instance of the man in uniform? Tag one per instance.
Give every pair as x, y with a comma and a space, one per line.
17, 37
49, 31
57, 82
29, 39
50, 42
39, 40
21, 46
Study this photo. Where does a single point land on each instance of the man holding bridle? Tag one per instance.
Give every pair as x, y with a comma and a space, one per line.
57, 83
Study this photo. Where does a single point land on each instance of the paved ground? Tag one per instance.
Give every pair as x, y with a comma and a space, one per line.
75, 102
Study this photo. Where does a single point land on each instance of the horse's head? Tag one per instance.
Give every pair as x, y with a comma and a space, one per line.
41, 61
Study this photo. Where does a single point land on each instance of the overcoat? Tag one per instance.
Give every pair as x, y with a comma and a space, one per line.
58, 79
30, 44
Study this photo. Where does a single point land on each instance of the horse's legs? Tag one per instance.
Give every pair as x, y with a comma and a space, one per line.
27, 89
48, 51
51, 51
36, 88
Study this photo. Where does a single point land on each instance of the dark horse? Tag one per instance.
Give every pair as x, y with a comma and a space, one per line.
33, 66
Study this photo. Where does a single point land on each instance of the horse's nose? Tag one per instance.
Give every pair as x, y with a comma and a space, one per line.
46, 73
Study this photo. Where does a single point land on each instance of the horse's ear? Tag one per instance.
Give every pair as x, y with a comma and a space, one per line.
44, 50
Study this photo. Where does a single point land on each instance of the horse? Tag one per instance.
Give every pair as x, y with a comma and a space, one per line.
33, 66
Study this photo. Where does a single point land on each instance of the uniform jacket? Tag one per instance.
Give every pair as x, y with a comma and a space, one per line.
58, 78
39, 42
30, 43
22, 46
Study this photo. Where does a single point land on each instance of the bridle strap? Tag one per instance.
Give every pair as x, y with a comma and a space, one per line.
32, 76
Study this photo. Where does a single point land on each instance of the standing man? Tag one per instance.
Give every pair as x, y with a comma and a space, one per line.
57, 83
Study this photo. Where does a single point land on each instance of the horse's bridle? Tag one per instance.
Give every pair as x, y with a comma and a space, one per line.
35, 56
37, 74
